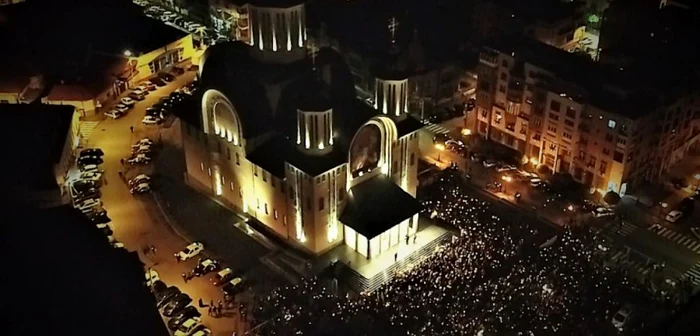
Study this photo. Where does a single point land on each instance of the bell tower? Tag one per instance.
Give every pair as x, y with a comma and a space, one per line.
391, 81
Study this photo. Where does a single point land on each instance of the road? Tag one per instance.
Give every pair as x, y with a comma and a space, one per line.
137, 221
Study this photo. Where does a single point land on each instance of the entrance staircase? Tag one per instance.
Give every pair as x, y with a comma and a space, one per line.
358, 283
86, 128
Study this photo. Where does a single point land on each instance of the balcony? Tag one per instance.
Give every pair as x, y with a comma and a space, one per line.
489, 58
510, 126
523, 116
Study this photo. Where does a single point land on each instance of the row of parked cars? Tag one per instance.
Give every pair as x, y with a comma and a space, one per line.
228, 279
197, 29
141, 152
140, 92
156, 113
184, 319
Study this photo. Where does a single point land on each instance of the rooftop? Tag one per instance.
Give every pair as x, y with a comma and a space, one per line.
34, 142
81, 81
81, 285
273, 154
377, 205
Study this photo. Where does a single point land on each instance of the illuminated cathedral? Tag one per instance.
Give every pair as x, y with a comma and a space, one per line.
280, 136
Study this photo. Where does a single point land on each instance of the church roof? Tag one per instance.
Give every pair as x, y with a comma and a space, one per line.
377, 205
408, 125
314, 96
273, 154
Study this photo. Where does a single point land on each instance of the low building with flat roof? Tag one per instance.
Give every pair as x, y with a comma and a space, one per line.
38, 143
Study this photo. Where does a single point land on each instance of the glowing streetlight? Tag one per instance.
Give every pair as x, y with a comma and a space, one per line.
534, 161
506, 179
466, 132
128, 53
440, 148
570, 207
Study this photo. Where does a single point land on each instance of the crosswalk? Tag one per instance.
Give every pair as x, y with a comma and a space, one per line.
677, 237
625, 229
436, 128
86, 128
693, 274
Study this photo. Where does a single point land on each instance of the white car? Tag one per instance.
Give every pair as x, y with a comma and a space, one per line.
150, 120
505, 168
622, 317
141, 91
190, 251
202, 332
139, 158
128, 101
123, 108
114, 114
141, 149
143, 142
117, 245
674, 216
142, 178
90, 168
91, 176
140, 188
535, 182
490, 163
151, 277
188, 326
88, 204
602, 212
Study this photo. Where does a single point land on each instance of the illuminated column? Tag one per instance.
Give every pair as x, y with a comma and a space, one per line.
274, 35
393, 96
317, 127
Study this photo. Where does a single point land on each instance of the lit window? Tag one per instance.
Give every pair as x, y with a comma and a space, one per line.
611, 124
276, 214
266, 209
201, 166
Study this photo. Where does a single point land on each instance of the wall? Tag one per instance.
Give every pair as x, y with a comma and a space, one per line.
142, 65
82, 108
9, 98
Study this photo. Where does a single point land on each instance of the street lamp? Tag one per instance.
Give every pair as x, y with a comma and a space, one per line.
466, 132
440, 147
128, 53
534, 161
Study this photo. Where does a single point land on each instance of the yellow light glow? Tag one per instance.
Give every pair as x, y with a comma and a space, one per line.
128, 53
384, 169
440, 147
570, 208
320, 146
534, 161
507, 178
466, 132
217, 183
360, 173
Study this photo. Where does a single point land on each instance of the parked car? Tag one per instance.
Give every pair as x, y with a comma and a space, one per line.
157, 81
139, 159
189, 326
141, 178
105, 228
535, 182
205, 266
165, 295
158, 287
89, 160
202, 332
151, 120
674, 216
222, 277
84, 194
143, 142
88, 203
140, 189
234, 286
490, 163
114, 114
176, 304
622, 317
90, 176
505, 168
89, 168
182, 316
128, 101
151, 277
122, 108
137, 96
190, 251
99, 216
178, 70
603, 212
92, 152
166, 76
141, 150
142, 89
150, 85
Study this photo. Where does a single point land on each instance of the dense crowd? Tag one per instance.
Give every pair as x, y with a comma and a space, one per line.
494, 278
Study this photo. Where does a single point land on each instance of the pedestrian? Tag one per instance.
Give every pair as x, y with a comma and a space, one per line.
396, 257
201, 303
132, 129
121, 175
211, 303
122, 161
184, 277
153, 249
211, 311
407, 239
220, 305
414, 238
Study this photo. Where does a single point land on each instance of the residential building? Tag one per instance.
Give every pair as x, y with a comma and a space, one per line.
611, 129
41, 158
9, 2
279, 135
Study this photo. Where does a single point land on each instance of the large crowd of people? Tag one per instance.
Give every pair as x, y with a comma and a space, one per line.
494, 278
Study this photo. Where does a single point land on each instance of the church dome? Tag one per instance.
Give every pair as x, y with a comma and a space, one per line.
392, 67
314, 96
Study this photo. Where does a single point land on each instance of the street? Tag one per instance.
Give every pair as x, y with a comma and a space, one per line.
137, 220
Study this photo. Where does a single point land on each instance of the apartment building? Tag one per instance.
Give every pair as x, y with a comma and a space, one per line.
609, 128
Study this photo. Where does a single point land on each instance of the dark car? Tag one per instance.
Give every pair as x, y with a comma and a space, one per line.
163, 297
99, 217
176, 304
182, 316
136, 96
90, 193
687, 205
92, 152
89, 160
83, 185
234, 287
166, 77
206, 266
164, 104
178, 70
157, 81
158, 286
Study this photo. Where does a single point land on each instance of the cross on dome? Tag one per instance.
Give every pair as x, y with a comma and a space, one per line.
393, 26
312, 50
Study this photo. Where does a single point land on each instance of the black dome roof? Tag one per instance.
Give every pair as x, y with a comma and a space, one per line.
393, 66
314, 96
